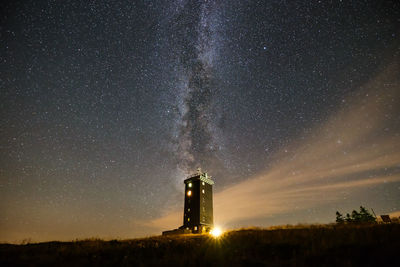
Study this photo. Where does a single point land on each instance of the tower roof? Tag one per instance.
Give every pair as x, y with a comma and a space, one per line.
202, 176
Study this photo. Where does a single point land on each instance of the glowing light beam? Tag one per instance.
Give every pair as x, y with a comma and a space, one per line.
216, 232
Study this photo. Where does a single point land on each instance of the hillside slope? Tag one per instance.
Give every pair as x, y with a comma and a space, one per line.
331, 245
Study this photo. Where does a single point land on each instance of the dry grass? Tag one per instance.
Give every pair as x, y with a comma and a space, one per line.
300, 245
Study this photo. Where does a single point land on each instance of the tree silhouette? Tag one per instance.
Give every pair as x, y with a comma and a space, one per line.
363, 216
339, 217
348, 218
366, 216
356, 216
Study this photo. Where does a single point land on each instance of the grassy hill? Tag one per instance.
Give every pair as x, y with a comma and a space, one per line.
327, 245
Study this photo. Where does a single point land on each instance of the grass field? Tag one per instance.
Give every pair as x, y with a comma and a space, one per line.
318, 245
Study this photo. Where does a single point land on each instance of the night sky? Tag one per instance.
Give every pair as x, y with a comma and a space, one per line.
293, 107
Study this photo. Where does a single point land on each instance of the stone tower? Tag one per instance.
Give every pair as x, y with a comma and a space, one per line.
198, 211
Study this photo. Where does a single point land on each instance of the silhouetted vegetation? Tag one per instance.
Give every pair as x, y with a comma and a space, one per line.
339, 217
363, 216
327, 245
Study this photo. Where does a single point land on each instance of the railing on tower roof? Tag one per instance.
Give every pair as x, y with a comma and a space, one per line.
203, 177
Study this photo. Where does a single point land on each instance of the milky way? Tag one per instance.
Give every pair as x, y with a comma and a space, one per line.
193, 32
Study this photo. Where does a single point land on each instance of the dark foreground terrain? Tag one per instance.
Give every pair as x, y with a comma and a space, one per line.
331, 245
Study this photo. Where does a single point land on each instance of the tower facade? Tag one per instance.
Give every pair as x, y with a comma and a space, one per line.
198, 211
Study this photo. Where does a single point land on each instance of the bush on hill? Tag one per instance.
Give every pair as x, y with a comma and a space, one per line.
362, 216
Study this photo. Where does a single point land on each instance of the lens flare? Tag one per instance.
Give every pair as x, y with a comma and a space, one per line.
216, 232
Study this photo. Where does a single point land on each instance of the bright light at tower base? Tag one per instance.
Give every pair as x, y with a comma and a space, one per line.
216, 232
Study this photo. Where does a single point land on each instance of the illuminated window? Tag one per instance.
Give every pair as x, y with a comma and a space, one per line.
188, 219
189, 193
195, 228
188, 209
190, 184
202, 191
203, 183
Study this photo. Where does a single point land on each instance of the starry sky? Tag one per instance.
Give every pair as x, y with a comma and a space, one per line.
293, 107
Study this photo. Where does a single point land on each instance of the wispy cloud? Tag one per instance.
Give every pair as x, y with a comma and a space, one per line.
357, 147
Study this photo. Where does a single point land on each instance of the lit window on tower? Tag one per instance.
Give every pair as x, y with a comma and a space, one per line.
202, 191
190, 184
189, 193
